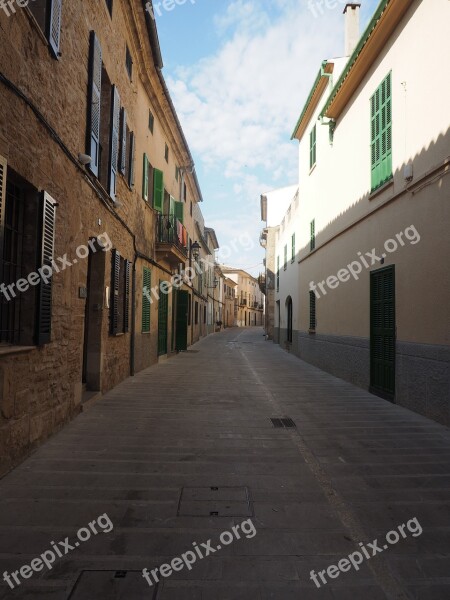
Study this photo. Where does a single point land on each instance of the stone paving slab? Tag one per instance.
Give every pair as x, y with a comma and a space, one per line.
355, 468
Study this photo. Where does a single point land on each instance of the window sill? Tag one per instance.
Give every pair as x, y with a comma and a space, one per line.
5, 350
312, 331
381, 189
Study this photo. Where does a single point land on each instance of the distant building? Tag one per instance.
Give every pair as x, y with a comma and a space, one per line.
249, 298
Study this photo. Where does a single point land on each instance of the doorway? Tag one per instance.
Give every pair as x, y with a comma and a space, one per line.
289, 319
163, 316
93, 317
382, 332
181, 324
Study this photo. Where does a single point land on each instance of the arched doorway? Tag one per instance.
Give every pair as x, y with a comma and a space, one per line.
289, 319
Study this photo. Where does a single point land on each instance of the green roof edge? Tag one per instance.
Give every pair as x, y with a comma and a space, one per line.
356, 52
311, 94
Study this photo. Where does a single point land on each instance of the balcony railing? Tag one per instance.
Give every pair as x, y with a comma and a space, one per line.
171, 239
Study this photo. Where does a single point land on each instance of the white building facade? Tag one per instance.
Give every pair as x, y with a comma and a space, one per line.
366, 297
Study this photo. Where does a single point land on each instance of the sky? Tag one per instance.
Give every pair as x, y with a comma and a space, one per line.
239, 72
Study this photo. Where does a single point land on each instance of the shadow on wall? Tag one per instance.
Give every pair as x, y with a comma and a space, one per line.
422, 376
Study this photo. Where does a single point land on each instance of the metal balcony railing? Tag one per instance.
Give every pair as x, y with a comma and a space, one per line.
169, 230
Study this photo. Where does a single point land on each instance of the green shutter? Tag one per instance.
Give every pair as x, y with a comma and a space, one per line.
293, 248
146, 304
278, 273
179, 211
381, 134
145, 179
158, 190
312, 311
285, 257
312, 147
312, 241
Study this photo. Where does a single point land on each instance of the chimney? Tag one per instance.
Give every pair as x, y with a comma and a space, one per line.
351, 12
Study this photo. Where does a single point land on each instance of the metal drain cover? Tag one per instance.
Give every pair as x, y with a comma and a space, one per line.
283, 423
215, 501
112, 585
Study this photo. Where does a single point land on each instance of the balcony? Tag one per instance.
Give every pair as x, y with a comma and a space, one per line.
255, 304
243, 302
262, 283
171, 240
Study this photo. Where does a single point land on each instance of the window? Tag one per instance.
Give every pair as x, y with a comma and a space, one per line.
196, 313
312, 239
204, 314
312, 311
285, 258
109, 4
293, 247
27, 231
132, 151
166, 153
128, 62
312, 147
48, 16
190, 209
278, 274
119, 294
177, 173
104, 121
148, 181
146, 299
151, 121
381, 134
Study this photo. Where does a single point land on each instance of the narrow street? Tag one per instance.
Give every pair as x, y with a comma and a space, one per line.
354, 468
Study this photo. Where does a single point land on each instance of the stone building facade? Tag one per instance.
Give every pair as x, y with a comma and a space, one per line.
99, 198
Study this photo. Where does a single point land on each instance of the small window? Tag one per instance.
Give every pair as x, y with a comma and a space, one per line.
293, 247
166, 153
109, 4
196, 313
129, 63
312, 147
120, 294
312, 241
312, 311
190, 210
48, 16
151, 121
285, 258
185, 192
177, 173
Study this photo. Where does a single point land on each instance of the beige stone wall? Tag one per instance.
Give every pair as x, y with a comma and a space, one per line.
41, 389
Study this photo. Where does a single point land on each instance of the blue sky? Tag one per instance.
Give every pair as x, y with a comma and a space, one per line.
239, 72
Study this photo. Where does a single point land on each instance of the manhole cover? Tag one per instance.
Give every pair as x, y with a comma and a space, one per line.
215, 501
283, 423
112, 585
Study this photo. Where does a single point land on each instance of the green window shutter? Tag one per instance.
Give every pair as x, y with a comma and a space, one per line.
293, 248
381, 133
312, 242
158, 190
131, 166
146, 304
312, 311
179, 211
145, 179
312, 147
285, 257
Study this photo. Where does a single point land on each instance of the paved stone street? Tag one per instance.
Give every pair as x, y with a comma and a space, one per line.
355, 468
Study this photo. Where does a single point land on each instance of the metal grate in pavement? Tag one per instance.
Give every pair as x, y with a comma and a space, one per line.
283, 423
214, 501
